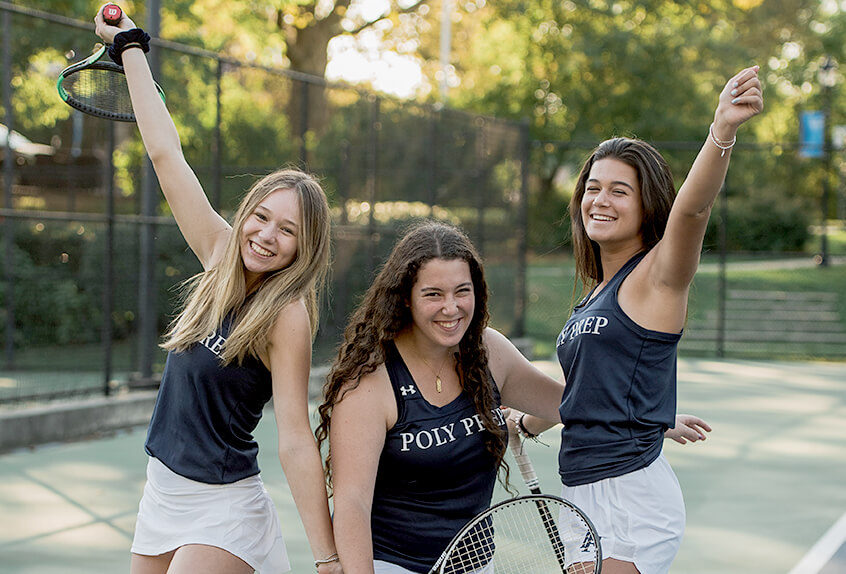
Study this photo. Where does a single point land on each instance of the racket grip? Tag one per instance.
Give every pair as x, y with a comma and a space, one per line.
112, 14
524, 463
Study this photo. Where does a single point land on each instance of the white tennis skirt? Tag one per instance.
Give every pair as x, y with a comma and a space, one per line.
238, 517
639, 516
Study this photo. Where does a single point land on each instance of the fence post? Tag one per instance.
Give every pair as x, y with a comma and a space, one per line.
108, 257
479, 179
432, 172
217, 144
303, 124
721, 278
372, 182
8, 178
147, 308
520, 280
340, 286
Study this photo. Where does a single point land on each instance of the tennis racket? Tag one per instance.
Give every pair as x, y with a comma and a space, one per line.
99, 87
535, 534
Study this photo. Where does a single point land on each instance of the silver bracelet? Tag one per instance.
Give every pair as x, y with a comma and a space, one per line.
328, 560
723, 145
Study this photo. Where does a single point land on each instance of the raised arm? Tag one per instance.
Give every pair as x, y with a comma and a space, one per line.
289, 355
357, 436
204, 230
676, 257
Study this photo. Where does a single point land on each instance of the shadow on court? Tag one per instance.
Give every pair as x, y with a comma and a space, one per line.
760, 492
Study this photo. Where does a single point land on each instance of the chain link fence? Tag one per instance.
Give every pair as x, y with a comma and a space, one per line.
92, 261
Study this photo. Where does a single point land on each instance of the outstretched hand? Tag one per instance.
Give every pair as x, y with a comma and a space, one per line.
741, 98
688, 429
107, 32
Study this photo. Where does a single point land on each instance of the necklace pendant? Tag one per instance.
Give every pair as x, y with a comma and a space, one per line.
438, 384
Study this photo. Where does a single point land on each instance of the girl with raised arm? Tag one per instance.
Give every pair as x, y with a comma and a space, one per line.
243, 335
637, 248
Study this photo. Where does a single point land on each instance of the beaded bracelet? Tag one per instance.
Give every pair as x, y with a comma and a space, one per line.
723, 145
135, 37
328, 560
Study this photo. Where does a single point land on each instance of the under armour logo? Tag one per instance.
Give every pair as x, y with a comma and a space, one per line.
409, 390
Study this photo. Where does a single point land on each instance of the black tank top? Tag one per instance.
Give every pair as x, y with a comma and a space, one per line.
621, 388
435, 473
206, 413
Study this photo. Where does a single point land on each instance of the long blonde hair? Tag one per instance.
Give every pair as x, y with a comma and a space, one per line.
213, 294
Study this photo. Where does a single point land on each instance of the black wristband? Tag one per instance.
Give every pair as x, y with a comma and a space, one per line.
522, 427
133, 37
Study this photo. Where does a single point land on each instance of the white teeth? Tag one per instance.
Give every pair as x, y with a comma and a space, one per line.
449, 324
601, 217
260, 250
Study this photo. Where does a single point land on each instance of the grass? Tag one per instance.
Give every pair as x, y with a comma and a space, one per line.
836, 238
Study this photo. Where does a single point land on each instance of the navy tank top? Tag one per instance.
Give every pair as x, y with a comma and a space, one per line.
206, 412
620, 396
435, 473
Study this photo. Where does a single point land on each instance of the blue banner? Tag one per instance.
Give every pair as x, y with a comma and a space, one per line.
812, 134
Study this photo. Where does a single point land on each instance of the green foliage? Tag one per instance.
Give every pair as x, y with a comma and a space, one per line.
58, 277
757, 224
549, 230
585, 70
51, 306
37, 108
255, 119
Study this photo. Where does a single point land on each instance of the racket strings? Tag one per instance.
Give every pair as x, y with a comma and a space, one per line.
100, 89
529, 536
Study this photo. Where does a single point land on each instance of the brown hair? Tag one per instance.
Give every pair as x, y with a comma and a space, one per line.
657, 193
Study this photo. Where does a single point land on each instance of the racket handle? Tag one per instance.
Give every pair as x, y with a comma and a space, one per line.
112, 14
524, 463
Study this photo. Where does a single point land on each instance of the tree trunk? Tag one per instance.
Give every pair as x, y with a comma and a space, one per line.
308, 109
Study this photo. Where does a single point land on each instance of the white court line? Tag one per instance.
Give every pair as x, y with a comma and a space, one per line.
823, 550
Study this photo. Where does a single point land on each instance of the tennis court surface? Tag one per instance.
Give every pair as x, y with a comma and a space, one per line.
766, 493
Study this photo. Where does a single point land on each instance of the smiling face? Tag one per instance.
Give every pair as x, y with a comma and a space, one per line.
442, 302
268, 237
612, 210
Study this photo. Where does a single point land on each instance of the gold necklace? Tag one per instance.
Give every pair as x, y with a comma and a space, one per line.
438, 373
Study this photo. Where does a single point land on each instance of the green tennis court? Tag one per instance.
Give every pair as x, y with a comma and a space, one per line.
762, 493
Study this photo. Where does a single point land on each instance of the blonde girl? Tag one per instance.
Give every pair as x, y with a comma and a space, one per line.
243, 336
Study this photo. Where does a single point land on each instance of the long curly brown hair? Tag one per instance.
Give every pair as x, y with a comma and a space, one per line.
384, 313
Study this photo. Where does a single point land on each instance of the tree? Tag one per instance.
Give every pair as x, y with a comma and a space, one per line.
308, 27
584, 70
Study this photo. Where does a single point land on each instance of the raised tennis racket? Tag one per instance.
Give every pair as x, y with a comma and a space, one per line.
99, 87
535, 534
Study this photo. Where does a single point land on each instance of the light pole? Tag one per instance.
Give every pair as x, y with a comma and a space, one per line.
827, 79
